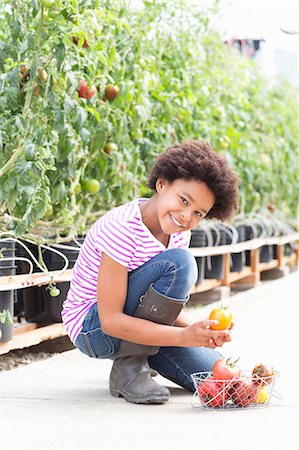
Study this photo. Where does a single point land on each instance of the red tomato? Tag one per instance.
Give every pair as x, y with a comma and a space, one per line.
84, 91
262, 374
111, 92
212, 393
225, 369
244, 393
224, 317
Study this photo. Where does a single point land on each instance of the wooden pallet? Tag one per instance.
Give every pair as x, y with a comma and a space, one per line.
28, 334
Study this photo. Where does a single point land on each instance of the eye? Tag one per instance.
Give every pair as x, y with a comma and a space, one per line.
184, 200
198, 214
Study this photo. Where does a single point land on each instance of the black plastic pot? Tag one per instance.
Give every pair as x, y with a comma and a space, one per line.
217, 261
199, 239
287, 250
7, 268
217, 268
6, 302
238, 259
249, 234
7, 250
39, 306
266, 253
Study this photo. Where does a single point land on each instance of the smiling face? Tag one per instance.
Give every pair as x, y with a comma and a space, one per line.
182, 204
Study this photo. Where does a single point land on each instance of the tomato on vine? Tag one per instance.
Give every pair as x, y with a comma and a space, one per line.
48, 3
84, 91
49, 211
77, 189
42, 74
111, 92
54, 292
92, 186
110, 147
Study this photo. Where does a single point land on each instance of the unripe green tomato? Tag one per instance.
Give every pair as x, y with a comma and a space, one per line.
54, 292
77, 189
49, 211
48, 3
137, 134
110, 147
42, 74
92, 186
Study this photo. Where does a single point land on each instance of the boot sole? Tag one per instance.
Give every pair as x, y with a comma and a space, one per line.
144, 401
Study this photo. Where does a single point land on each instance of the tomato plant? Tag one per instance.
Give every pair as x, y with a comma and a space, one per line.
224, 317
153, 60
225, 369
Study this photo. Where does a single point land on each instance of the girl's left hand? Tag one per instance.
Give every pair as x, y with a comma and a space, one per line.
218, 342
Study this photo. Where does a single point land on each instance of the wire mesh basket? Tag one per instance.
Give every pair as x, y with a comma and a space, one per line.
246, 391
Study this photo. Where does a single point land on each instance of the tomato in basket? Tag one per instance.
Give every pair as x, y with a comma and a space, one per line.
226, 369
244, 392
263, 394
212, 393
262, 374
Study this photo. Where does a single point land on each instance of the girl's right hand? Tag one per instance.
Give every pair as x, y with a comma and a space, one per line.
199, 334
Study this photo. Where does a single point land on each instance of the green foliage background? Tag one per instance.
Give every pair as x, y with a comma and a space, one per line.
177, 80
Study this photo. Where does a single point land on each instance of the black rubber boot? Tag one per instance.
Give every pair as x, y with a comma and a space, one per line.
131, 375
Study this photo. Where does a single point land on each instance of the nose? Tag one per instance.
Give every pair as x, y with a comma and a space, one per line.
186, 215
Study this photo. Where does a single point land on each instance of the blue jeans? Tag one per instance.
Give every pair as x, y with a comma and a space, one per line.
172, 273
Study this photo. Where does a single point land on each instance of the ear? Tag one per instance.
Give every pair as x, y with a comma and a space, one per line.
160, 183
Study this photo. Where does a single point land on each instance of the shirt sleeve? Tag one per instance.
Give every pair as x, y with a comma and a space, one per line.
187, 238
116, 240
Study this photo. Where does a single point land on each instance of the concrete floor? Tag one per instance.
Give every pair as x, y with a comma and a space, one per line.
64, 402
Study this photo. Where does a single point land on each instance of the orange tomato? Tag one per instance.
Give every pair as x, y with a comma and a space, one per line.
224, 317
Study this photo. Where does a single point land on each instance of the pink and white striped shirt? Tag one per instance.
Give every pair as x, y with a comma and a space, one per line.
122, 235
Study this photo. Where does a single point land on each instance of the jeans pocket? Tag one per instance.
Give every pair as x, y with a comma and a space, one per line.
95, 344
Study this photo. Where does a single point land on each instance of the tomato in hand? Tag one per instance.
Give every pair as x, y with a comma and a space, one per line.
212, 393
226, 369
244, 393
224, 317
262, 374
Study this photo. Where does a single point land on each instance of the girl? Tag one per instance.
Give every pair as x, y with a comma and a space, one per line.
134, 273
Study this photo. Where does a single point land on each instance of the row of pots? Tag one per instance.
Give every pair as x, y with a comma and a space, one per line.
216, 233
34, 303
38, 306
